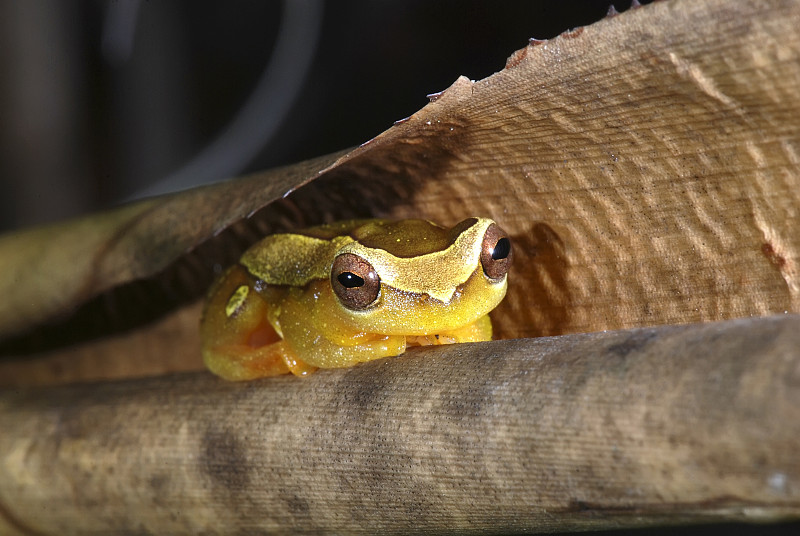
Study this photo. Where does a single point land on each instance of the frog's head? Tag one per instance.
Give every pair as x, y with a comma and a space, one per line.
414, 277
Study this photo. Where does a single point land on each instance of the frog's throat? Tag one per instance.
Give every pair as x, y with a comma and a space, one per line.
436, 274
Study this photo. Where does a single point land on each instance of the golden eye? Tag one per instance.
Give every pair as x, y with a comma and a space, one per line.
354, 281
496, 253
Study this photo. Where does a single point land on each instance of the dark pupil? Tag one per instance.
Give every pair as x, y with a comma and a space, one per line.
350, 280
501, 249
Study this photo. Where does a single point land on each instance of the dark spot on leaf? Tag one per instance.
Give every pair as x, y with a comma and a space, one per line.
772, 255
635, 341
158, 482
224, 459
297, 505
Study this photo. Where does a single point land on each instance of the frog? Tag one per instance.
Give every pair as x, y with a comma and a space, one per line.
343, 293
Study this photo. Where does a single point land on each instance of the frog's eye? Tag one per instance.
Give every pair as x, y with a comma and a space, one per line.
354, 281
496, 253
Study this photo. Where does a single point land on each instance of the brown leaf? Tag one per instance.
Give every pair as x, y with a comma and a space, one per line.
51, 271
646, 166
668, 425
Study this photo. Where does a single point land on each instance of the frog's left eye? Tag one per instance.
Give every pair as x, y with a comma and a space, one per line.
354, 281
496, 253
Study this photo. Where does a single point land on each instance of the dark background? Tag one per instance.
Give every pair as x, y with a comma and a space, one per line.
105, 101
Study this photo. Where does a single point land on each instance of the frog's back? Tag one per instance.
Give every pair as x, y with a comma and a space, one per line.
296, 259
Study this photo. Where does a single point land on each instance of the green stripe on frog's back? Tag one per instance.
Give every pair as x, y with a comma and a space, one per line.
330, 231
404, 238
298, 258
292, 259
401, 238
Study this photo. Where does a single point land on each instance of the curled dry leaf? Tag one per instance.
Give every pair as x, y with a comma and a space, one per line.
51, 271
647, 168
587, 431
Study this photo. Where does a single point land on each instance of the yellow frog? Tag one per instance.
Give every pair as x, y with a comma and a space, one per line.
353, 291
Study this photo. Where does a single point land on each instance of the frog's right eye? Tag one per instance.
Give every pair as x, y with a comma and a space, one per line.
496, 253
354, 281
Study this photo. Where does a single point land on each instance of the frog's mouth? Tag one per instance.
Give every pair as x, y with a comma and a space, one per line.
403, 313
486, 288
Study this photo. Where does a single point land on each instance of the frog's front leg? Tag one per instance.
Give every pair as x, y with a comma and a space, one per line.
368, 346
320, 351
329, 354
480, 330
238, 341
